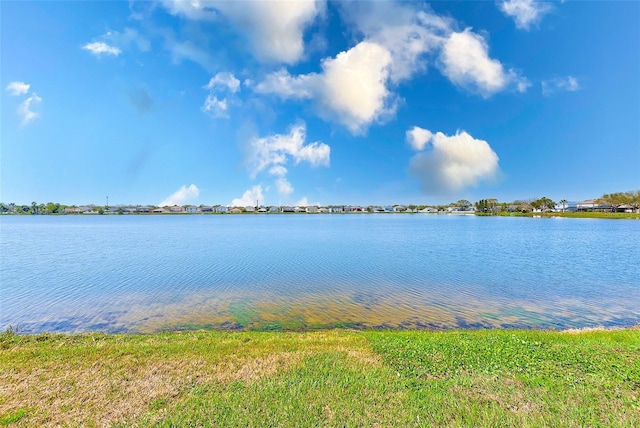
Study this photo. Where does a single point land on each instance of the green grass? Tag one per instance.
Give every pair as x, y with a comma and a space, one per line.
322, 378
594, 214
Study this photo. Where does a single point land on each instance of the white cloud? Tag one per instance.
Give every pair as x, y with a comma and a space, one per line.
560, 84
453, 163
18, 88
275, 150
465, 61
351, 90
223, 80
215, 107
525, 12
283, 186
418, 137
407, 33
287, 86
100, 48
273, 28
356, 87
26, 109
182, 196
249, 198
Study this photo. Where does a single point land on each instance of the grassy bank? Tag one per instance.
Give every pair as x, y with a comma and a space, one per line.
323, 378
594, 214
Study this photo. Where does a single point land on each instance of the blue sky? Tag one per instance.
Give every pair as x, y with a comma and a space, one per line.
220, 102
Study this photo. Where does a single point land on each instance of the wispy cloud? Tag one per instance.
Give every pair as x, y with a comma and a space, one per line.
275, 151
249, 198
215, 107
17, 88
26, 110
560, 84
525, 13
101, 48
182, 196
223, 82
452, 163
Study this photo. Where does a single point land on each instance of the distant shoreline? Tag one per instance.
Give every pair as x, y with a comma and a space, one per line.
588, 214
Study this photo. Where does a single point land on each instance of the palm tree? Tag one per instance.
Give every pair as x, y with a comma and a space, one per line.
564, 203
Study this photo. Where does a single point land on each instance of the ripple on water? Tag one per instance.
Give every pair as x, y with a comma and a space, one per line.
148, 273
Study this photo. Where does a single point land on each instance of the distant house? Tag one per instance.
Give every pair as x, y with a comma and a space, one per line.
274, 209
249, 209
312, 209
192, 209
288, 209
262, 210
144, 209
220, 209
336, 209
160, 210
236, 210
206, 209
399, 208
323, 210
428, 210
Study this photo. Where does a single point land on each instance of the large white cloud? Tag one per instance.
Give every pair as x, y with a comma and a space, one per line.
450, 163
465, 61
101, 48
274, 28
27, 109
183, 195
356, 88
249, 198
407, 33
525, 12
351, 90
17, 88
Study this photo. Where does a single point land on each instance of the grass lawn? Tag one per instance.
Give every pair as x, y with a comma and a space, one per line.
322, 378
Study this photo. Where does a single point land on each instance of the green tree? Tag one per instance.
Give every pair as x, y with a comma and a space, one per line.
543, 204
564, 204
464, 204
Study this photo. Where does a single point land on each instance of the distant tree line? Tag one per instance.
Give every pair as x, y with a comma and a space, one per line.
484, 206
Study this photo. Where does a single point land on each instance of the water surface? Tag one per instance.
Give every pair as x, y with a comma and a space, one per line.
151, 273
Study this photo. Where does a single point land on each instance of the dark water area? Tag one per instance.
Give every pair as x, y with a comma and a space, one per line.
273, 272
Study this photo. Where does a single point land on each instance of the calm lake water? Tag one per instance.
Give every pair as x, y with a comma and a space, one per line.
151, 273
